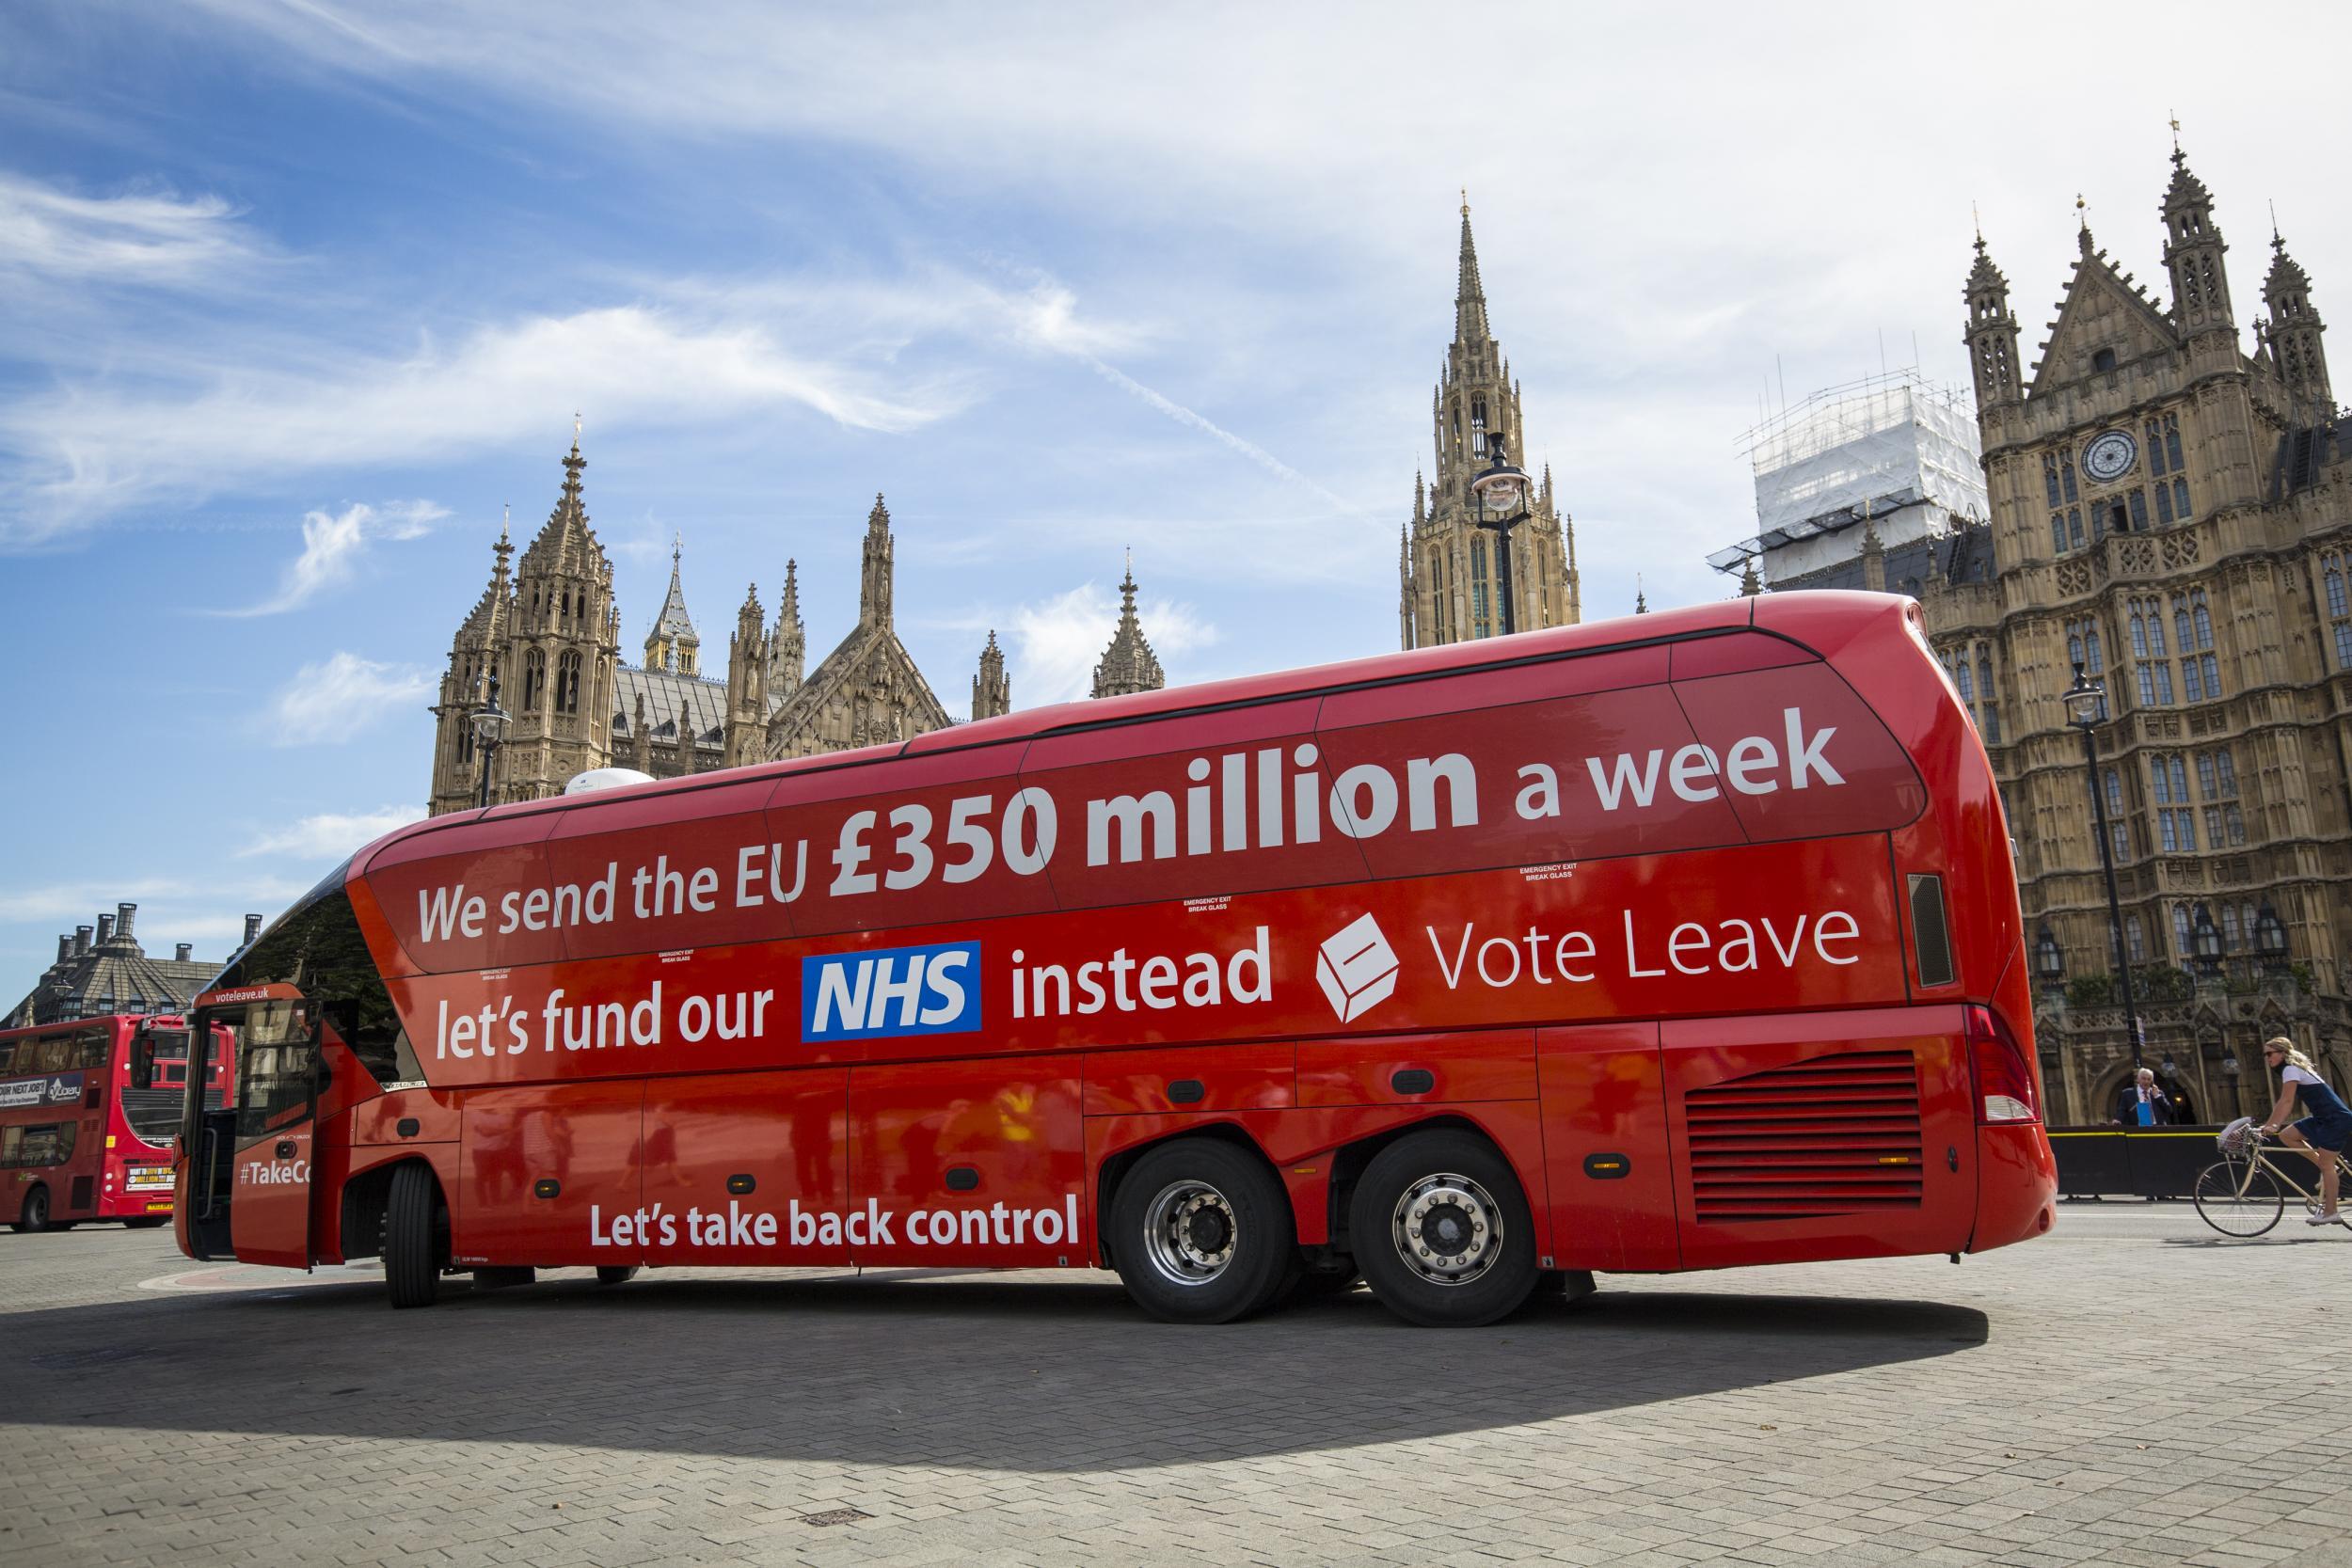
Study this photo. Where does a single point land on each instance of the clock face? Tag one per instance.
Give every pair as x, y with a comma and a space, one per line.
2110, 457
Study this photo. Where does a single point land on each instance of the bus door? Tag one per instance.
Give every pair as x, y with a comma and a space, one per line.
249, 1170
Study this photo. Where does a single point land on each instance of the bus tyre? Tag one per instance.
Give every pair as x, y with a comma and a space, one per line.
412, 1237
1202, 1232
32, 1219
1442, 1231
616, 1274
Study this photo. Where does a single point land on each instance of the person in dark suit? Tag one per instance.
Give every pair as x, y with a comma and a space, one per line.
2141, 1103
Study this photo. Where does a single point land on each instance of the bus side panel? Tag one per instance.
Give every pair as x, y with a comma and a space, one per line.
1807, 1136
547, 1172
747, 1165
931, 1143
1606, 1148
1457, 1069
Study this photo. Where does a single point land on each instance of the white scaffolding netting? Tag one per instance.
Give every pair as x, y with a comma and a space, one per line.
1865, 448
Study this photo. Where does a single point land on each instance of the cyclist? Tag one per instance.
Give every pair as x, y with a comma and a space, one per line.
2324, 1128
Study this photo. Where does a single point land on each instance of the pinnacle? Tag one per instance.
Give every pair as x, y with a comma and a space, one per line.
1470, 294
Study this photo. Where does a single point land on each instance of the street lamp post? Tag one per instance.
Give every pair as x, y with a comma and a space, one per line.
2082, 705
1503, 493
489, 727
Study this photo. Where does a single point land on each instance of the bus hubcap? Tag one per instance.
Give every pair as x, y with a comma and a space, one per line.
1188, 1232
1448, 1229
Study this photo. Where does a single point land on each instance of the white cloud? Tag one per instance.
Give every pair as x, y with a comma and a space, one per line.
329, 703
140, 237
96, 450
332, 546
1056, 642
331, 835
171, 910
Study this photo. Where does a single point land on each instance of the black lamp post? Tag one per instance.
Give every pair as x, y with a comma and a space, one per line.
2083, 700
489, 727
2270, 937
2205, 938
1502, 494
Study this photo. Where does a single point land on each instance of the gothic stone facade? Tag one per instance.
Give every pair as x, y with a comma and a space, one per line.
549, 635
2174, 516
1448, 566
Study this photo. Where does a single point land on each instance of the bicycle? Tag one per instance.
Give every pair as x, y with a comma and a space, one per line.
2241, 1193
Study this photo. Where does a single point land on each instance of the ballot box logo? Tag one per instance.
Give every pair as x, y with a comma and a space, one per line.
1356, 969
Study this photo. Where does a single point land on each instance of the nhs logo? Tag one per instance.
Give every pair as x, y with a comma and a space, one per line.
891, 990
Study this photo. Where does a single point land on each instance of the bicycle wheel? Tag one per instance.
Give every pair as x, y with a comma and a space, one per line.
2238, 1198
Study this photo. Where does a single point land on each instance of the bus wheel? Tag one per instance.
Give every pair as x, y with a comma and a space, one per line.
33, 1218
1202, 1232
412, 1238
1442, 1231
616, 1274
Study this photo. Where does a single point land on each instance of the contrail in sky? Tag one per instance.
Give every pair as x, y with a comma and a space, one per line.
1183, 416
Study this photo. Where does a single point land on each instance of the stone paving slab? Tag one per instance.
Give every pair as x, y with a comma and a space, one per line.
2128, 1390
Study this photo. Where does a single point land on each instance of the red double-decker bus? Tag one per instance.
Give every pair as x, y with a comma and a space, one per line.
1667, 943
87, 1112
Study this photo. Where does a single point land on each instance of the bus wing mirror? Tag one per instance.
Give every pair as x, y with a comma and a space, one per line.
143, 1065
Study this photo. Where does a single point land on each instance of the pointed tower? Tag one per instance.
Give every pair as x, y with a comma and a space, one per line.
2300, 359
787, 647
1128, 665
672, 643
1750, 584
475, 657
1992, 333
2192, 254
991, 689
1448, 582
562, 652
747, 684
873, 593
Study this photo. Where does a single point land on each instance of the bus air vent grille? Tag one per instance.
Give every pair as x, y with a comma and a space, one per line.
1819, 1138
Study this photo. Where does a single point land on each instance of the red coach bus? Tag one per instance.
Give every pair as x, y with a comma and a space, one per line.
1667, 943
88, 1111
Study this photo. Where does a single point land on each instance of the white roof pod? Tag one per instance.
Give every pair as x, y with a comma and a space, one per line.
604, 778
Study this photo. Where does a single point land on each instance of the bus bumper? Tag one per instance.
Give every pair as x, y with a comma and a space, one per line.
2016, 1185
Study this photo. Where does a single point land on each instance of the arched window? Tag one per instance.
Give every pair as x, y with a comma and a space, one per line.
2180, 501
2104, 359
534, 679
2138, 500
567, 682
1478, 425
2181, 945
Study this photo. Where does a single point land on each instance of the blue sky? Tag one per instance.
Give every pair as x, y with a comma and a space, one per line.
295, 296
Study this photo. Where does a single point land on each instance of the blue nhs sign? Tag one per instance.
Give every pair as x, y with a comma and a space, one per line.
891, 990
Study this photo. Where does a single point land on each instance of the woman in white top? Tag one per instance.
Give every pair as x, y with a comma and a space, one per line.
2324, 1128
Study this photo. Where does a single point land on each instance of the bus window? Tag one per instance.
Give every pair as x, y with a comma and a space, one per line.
92, 1048
31, 1148
275, 1072
57, 1053
159, 1057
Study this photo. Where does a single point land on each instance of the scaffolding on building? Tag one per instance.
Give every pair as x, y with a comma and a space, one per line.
1869, 449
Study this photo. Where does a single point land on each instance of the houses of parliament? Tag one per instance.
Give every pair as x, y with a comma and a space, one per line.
548, 631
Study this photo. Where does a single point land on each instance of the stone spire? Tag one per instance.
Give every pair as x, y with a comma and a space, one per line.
1750, 584
1470, 294
673, 645
788, 649
1992, 333
2192, 254
873, 596
2296, 328
1128, 665
991, 689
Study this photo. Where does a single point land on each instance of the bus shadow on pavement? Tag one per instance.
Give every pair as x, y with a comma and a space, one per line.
969, 1371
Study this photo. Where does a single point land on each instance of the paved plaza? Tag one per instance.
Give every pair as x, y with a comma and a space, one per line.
2131, 1389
